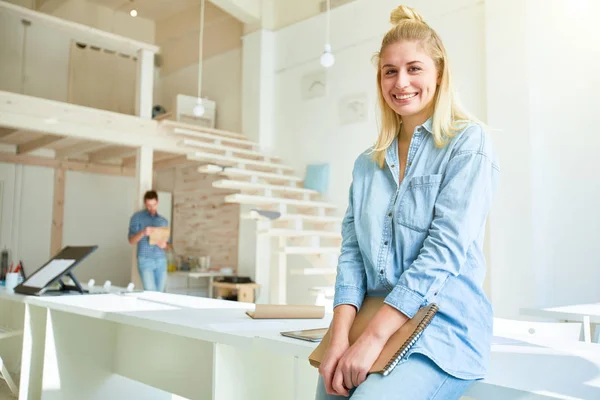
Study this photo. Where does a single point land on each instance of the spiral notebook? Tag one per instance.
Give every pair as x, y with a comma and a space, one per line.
396, 347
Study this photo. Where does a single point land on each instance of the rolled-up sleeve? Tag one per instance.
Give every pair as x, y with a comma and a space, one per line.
134, 226
351, 278
462, 205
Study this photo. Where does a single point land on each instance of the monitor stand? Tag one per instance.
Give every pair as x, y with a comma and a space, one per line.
64, 288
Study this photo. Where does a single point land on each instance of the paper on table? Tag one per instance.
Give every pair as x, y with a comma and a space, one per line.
50, 271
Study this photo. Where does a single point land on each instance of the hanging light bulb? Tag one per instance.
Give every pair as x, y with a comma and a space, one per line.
327, 58
199, 108
133, 12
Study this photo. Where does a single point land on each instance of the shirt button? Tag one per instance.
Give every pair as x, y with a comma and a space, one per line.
390, 214
381, 272
393, 165
385, 243
410, 163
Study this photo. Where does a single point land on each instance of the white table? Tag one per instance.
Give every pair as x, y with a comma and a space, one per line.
148, 345
586, 313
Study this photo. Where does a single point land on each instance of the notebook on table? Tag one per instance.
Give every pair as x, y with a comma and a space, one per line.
396, 347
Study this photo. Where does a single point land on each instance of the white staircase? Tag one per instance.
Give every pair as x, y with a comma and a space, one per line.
306, 226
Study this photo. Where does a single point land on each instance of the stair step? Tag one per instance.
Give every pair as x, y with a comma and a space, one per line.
233, 150
299, 233
222, 159
238, 172
306, 218
264, 200
313, 271
309, 250
241, 185
176, 125
217, 139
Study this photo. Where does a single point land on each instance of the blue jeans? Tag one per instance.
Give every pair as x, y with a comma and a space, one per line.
153, 272
415, 378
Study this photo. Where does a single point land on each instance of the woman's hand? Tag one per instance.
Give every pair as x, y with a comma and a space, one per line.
354, 365
328, 365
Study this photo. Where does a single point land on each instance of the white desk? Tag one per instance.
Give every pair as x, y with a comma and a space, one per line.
117, 346
147, 345
586, 313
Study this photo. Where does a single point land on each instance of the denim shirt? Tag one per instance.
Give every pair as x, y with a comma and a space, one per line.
143, 219
421, 242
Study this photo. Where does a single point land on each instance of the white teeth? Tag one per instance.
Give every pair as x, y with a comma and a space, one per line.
404, 96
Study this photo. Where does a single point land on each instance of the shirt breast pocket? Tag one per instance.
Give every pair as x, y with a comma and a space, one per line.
418, 202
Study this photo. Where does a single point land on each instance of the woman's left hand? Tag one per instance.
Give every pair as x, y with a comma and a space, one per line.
353, 367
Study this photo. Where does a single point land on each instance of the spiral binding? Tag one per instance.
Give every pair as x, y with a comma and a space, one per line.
410, 342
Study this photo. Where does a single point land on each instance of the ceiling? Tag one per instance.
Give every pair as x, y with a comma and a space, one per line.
150, 9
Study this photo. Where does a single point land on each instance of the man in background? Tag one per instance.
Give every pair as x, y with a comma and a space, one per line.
151, 259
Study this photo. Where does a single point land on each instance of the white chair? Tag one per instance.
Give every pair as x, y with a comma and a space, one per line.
571, 331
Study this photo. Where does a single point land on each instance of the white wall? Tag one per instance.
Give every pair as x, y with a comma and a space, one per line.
26, 213
97, 211
221, 82
43, 71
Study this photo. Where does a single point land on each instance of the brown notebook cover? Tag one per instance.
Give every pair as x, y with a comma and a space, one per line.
159, 234
283, 311
395, 348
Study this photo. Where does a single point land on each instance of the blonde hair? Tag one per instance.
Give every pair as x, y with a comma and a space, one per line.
448, 116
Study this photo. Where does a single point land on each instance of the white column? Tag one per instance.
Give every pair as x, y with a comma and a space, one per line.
143, 184
258, 93
144, 84
258, 66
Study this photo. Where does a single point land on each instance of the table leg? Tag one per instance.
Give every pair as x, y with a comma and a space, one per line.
34, 346
210, 286
587, 329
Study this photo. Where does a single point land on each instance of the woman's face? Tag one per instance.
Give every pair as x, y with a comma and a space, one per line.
409, 79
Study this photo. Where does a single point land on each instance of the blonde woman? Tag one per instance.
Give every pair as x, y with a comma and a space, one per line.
413, 231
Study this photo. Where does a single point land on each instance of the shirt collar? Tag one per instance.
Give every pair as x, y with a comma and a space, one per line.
428, 125
150, 215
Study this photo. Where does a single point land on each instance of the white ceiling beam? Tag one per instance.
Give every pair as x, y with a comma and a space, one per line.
247, 11
35, 144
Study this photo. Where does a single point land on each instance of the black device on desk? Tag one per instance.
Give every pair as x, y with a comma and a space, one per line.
54, 271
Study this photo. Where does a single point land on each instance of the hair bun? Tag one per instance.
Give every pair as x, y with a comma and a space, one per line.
402, 13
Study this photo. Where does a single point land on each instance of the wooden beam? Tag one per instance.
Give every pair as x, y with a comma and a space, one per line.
33, 145
110, 153
103, 169
171, 162
79, 148
58, 211
4, 132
